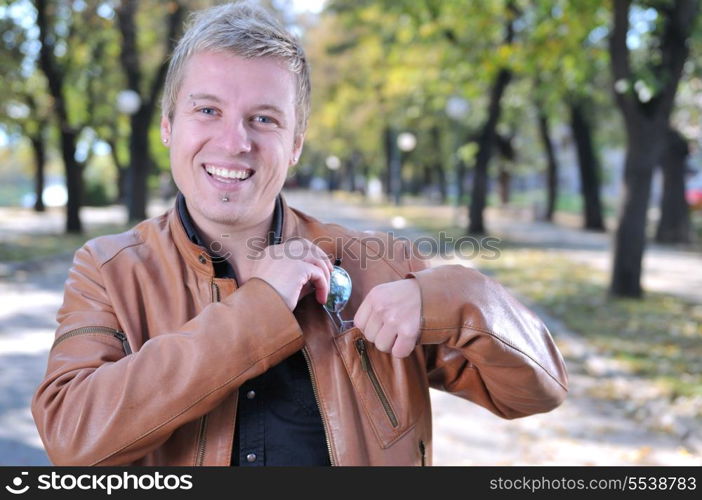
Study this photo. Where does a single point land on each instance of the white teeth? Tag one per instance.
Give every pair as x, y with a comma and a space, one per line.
227, 173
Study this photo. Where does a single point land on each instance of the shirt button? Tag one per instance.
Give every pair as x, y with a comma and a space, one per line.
251, 457
250, 394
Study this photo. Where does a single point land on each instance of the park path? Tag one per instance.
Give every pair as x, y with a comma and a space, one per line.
609, 418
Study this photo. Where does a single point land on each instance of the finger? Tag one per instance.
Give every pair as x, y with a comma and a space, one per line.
385, 338
306, 290
373, 327
404, 344
316, 276
320, 265
309, 252
323, 257
360, 319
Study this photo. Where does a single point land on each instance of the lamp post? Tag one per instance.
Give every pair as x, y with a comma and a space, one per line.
333, 163
406, 142
128, 102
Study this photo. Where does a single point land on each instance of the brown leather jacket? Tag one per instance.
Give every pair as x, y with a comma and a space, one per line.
195, 339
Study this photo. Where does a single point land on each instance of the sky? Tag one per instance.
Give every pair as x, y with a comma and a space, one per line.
308, 5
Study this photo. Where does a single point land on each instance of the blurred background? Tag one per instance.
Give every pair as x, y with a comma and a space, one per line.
554, 145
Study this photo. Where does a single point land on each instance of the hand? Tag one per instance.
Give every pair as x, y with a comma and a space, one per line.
294, 268
390, 316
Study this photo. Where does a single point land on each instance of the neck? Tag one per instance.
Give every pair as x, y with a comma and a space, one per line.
237, 242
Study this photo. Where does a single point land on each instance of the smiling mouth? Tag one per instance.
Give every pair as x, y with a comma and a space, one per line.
228, 174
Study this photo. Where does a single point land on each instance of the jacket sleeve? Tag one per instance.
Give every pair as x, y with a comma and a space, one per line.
99, 406
481, 344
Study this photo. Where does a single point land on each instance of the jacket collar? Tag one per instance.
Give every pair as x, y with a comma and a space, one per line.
191, 246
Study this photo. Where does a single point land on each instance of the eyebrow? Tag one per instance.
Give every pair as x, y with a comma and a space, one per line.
270, 107
208, 97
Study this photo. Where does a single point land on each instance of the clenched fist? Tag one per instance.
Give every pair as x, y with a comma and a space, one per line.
390, 316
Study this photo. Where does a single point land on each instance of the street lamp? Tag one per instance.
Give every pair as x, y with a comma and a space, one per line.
406, 142
333, 164
128, 101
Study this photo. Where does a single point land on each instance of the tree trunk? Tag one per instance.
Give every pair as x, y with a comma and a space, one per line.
504, 179
674, 224
394, 165
552, 167
486, 140
646, 125
74, 182
139, 153
68, 135
39, 162
588, 166
353, 163
642, 151
486, 143
460, 180
438, 163
390, 140
140, 157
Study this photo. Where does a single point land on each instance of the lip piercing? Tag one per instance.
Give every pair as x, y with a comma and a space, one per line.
225, 198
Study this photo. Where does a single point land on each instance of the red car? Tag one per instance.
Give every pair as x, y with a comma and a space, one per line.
694, 198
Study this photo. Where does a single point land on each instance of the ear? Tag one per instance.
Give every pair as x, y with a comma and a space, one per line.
297, 149
165, 130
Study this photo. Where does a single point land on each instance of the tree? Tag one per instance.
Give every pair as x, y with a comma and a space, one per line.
552, 163
25, 104
588, 163
645, 91
142, 118
72, 38
674, 223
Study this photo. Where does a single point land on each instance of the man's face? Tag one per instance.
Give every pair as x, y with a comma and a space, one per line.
232, 135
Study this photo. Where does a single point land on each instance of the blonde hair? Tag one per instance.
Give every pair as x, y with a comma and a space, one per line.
248, 31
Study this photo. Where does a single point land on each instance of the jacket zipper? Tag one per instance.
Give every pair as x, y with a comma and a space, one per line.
201, 441
215, 291
368, 368
422, 451
102, 330
202, 433
325, 426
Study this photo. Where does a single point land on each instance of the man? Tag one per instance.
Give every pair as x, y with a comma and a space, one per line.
199, 337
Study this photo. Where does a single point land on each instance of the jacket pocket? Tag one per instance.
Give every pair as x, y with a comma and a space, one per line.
393, 392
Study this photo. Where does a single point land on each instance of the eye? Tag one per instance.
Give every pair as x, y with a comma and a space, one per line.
266, 120
207, 110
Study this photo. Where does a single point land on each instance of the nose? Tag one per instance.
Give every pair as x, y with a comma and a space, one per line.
234, 137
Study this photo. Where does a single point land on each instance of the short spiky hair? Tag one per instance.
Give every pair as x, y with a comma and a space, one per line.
248, 31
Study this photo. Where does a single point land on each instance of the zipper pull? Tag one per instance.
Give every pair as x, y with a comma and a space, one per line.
125, 343
361, 348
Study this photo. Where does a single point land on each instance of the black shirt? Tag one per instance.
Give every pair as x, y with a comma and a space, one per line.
278, 420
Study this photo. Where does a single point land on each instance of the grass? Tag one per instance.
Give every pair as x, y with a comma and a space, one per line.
658, 337
35, 246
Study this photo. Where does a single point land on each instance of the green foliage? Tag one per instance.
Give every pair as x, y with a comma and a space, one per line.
396, 63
